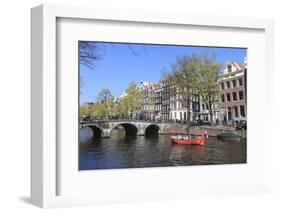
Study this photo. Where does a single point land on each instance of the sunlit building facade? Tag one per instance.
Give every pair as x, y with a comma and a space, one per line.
232, 96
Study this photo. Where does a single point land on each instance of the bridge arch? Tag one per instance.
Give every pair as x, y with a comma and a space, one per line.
97, 131
152, 129
130, 129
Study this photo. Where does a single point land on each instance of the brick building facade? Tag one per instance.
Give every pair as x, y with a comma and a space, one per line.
232, 94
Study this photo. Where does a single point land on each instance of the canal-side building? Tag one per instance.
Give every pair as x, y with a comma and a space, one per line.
232, 95
148, 100
195, 107
165, 108
205, 115
175, 104
178, 107
158, 103
163, 102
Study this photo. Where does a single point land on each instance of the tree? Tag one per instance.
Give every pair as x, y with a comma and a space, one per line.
207, 81
182, 79
131, 101
104, 96
84, 111
122, 108
196, 74
112, 107
133, 97
106, 99
88, 54
99, 110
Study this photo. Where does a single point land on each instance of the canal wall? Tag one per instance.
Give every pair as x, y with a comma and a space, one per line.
174, 128
212, 131
216, 130
197, 130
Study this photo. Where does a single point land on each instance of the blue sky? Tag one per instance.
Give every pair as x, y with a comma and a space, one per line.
122, 63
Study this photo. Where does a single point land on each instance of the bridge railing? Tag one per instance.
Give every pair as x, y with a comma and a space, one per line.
88, 121
116, 120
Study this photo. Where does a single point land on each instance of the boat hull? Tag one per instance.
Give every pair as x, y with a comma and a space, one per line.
194, 141
229, 137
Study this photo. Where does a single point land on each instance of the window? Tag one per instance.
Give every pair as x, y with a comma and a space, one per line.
229, 113
242, 111
241, 95
234, 96
222, 98
229, 68
203, 107
222, 86
228, 97
227, 85
236, 111
233, 83
240, 82
195, 106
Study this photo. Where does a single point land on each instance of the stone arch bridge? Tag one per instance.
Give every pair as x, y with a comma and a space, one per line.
102, 129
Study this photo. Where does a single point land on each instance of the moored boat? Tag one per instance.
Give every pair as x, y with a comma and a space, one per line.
229, 136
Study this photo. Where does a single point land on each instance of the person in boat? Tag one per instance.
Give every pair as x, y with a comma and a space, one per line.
206, 134
180, 137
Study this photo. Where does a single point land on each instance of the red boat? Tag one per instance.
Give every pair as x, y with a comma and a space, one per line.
187, 140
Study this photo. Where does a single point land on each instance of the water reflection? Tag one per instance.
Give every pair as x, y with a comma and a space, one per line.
192, 154
120, 151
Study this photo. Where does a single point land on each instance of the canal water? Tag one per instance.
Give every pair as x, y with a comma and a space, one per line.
120, 151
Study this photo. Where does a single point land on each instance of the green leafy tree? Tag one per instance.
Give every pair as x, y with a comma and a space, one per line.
182, 78
122, 108
196, 74
207, 76
84, 111
105, 98
99, 110
112, 107
131, 101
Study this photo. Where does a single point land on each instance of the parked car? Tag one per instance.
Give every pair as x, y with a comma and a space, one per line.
242, 125
200, 122
85, 118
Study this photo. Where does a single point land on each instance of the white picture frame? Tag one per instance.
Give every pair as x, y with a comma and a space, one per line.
45, 171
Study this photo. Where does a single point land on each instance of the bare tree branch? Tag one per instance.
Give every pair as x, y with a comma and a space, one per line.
88, 54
